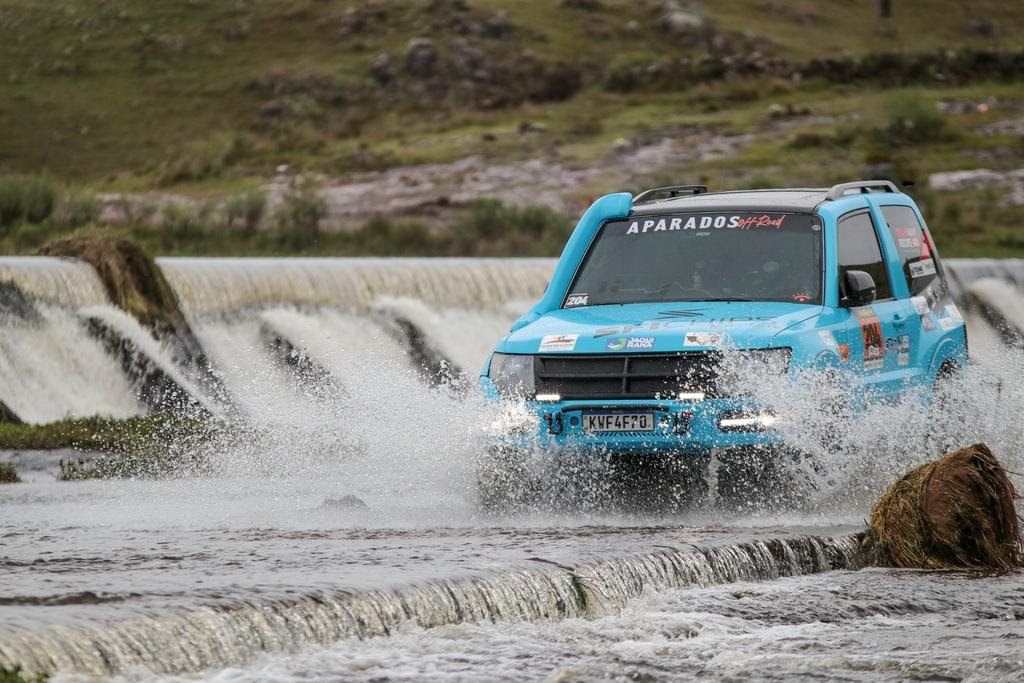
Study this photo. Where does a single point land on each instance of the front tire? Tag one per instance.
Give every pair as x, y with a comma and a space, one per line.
503, 481
759, 478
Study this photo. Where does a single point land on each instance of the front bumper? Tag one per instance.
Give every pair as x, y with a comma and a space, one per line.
680, 426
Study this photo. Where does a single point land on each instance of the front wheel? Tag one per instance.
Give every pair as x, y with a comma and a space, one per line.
760, 478
504, 483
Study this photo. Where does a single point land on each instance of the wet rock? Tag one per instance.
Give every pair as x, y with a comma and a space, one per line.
382, 68
7, 415
346, 502
421, 57
15, 305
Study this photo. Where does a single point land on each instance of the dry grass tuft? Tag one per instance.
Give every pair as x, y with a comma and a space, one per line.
956, 512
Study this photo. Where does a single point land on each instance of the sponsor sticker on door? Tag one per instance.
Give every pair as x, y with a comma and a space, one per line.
903, 350
922, 268
871, 335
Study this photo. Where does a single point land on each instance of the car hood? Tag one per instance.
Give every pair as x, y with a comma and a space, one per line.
657, 327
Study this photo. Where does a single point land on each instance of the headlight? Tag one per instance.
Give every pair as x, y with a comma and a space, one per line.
747, 422
513, 375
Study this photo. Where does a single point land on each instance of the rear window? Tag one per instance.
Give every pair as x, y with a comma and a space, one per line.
747, 256
919, 263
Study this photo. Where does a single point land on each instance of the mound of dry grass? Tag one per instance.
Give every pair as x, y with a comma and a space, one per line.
134, 283
130, 277
956, 512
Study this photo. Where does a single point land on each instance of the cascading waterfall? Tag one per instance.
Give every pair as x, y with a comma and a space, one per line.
336, 313
68, 353
51, 368
209, 286
54, 281
989, 290
229, 633
340, 316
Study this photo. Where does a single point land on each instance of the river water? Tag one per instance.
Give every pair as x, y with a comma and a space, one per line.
340, 541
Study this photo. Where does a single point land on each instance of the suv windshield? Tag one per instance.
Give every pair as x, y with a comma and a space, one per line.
702, 257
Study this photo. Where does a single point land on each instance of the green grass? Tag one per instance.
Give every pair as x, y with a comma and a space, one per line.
155, 445
8, 475
482, 228
169, 91
16, 675
95, 433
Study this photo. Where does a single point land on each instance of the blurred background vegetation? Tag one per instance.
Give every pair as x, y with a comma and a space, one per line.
482, 127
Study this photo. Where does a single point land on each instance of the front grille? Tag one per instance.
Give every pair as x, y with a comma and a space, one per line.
647, 375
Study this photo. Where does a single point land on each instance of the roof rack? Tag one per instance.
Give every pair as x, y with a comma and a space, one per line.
671, 191
862, 186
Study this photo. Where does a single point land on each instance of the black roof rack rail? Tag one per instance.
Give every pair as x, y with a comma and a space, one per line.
671, 191
862, 186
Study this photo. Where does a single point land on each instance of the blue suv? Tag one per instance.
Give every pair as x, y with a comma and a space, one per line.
655, 297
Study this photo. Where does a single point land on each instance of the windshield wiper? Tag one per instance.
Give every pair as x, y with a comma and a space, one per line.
724, 298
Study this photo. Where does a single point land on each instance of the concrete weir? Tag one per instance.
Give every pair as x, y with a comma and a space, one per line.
232, 632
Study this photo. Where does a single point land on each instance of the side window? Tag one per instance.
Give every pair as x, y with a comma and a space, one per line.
919, 264
859, 250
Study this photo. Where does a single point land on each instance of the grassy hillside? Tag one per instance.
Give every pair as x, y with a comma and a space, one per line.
207, 98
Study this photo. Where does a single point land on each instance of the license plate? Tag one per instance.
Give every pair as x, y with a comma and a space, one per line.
618, 422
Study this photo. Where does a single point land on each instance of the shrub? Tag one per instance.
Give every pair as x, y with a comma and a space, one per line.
246, 208
25, 198
181, 222
302, 208
914, 120
626, 74
205, 159
491, 227
76, 209
8, 475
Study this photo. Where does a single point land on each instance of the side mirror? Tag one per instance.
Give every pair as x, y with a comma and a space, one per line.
860, 288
